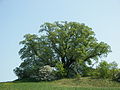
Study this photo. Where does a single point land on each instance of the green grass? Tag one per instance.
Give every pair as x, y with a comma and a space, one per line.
87, 82
64, 84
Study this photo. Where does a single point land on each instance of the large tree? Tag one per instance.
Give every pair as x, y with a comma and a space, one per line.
67, 42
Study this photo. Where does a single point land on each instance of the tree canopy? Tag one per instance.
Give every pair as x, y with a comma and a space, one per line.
72, 44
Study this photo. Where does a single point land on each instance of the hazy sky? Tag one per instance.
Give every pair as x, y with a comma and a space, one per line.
19, 17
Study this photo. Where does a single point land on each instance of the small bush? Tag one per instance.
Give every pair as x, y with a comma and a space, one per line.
60, 71
45, 73
107, 70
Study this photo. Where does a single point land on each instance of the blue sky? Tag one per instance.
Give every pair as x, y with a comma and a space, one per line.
19, 17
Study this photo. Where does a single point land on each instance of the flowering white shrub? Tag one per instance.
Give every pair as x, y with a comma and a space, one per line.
45, 73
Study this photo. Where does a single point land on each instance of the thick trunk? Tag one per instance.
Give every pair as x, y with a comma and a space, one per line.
70, 62
67, 66
63, 60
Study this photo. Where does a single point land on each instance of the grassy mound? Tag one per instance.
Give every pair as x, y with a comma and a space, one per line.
87, 82
63, 84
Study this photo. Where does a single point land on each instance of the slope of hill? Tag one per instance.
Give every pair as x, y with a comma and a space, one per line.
63, 84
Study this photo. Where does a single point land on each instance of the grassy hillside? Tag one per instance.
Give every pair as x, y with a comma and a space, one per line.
64, 84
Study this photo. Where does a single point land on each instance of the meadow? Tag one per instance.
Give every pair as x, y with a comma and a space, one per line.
64, 84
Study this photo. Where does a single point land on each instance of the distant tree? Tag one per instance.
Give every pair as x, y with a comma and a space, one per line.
104, 69
107, 70
70, 43
114, 70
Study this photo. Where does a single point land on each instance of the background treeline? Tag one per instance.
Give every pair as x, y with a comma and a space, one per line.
64, 50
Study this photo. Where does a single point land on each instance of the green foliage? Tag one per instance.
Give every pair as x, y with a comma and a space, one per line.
103, 69
114, 70
107, 70
118, 77
44, 73
60, 70
27, 69
66, 42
